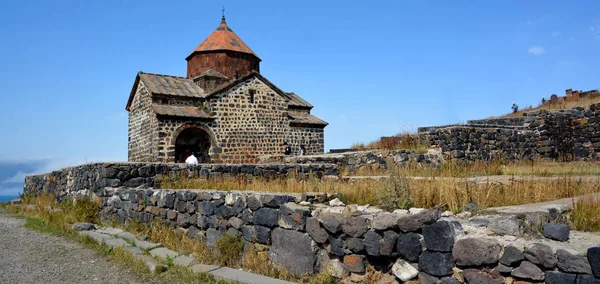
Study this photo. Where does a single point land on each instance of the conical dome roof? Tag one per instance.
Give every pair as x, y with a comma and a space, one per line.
223, 38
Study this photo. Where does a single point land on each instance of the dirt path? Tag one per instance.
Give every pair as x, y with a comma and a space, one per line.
28, 256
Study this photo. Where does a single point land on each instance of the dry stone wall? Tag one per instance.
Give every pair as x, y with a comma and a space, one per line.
565, 134
305, 235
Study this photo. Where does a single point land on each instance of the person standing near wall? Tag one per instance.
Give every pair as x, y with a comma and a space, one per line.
302, 151
288, 149
515, 108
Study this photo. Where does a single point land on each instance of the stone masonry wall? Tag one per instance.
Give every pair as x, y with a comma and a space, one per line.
312, 138
565, 134
305, 235
142, 128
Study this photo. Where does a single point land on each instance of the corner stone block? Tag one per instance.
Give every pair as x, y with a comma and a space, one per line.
293, 250
293, 216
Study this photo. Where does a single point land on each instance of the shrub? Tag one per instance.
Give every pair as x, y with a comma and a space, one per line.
586, 214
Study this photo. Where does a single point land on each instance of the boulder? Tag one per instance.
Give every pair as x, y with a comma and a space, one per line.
293, 216
315, 231
586, 279
557, 277
529, 271
355, 245
593, 256
425, 278
409, 246
372, 242
83, 226
331, 223
448, 280
476, 276
354, 263
559, 232
206, 208
212, 236
355, 226
507, 226
414, 222
439, 236
436, 263
404, 271
385, 221
293, 250
541, 255
571, 262
476, 251
336, 247
388, 243
504, 269
512, 256
265, 217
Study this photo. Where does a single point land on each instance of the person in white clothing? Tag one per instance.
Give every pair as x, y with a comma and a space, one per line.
191, 160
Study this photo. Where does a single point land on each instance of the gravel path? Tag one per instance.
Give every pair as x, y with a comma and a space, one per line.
28, 256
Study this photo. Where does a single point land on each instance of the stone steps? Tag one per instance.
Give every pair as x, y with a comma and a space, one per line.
152, 253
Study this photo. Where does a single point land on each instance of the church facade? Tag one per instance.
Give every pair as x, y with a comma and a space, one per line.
224, 110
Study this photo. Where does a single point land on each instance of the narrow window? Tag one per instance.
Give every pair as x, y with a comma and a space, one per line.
252, 92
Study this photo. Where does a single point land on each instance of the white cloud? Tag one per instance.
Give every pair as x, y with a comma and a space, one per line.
555, 33
536, 50
17, 178
595, 30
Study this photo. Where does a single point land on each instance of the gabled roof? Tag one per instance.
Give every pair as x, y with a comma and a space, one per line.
180, 111
305, 118
297, 101
158, 84
223, 38
232, 84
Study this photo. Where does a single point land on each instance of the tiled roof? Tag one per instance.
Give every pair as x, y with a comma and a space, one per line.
296, 100
223, 38
181, 111
171, 85
305, 118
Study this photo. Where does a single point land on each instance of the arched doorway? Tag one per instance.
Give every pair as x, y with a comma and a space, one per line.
192, 140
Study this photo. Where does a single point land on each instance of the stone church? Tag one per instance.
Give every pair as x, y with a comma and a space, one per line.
224, 110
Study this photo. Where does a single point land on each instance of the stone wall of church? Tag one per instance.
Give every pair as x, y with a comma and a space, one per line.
246, 129
168, 129
143, 137
312, 138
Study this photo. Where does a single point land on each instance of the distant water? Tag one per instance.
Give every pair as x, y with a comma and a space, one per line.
6, 198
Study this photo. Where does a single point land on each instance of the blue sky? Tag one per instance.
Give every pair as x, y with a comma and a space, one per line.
371, 68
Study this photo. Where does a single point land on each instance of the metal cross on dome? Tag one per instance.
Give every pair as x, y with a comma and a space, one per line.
223, 11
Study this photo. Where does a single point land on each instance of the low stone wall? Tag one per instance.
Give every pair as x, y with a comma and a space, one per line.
564, 134
306, 234
357, 160
96, 176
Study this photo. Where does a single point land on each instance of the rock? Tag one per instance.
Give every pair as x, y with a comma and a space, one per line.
593, 256
355, 245
586, 279
253, 203
293, 216
336, 202
83, 226
212, 236
184, 261
439, 236
388, 243
476, 251
315, 231
163, 253
331, 223
354, 263
415, 210
448, 280
470, 207
414, 222
355, 226
235, 222
206, 208
512, 256
504, 269
293, 250
425, 278
409, 246
559, 232
400, 212
475, 276
203, 268
265, 217
528, 270
387, 279
336, 247
556, 277
385, 221
507, 226
372, 243
479, 222
335, 268
404, 271
541, 255
436, 263
184, 220
569, 261
259, 234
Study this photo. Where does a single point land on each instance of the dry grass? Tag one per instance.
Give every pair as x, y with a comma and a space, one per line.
402, 141
453, 193
583, 102
586, 215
